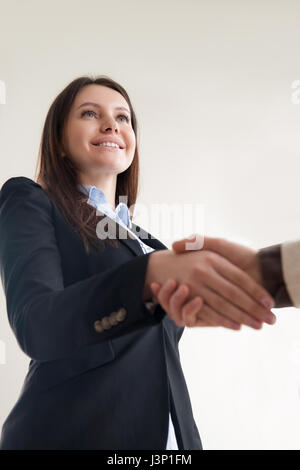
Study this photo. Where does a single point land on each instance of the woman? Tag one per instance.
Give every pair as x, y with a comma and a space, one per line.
105, 370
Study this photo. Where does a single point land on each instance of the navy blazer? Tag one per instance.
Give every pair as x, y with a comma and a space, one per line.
85, 389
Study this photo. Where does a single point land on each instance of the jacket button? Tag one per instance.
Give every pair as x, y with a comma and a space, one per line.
151, 306
113, 318
106, 323
121, 314
98, 326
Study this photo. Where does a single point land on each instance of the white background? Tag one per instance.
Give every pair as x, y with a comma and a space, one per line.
211, 84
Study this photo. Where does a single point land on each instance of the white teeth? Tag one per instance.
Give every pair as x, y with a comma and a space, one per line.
108, 144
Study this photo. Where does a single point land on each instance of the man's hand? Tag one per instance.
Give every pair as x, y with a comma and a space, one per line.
243, 257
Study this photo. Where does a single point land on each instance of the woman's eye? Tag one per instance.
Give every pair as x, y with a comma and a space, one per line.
123, 115
89, 111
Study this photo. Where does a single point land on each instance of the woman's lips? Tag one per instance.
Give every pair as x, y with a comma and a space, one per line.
106, 147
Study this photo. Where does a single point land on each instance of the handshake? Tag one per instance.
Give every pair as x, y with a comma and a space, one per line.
218, 285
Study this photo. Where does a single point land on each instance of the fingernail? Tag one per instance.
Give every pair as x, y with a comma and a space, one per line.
154, 286
182, 289
267, 302
271, 319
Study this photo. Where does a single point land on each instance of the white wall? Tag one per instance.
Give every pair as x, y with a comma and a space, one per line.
211, 85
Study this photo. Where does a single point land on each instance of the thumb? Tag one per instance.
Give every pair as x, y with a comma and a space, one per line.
234, 252
193, 242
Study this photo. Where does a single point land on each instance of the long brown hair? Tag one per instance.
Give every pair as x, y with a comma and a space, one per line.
58, 176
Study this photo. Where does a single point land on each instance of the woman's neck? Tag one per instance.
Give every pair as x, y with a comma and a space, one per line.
107, 185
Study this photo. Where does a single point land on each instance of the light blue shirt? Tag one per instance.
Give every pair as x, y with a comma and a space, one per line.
120, 214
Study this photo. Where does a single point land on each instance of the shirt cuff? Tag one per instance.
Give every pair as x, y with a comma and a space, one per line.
271, 269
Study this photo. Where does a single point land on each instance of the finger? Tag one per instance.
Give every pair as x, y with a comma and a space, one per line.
202, 323
243, 291
171, 298
165, 292
209, 317
225, 248
193, 242
176, 303
226, 308
155, 287
190, 310
218, 245
178, 246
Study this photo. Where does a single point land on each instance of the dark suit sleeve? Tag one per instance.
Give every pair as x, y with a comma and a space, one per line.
49, 320
271, 269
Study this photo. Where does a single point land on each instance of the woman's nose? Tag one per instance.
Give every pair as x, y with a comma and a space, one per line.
109, 123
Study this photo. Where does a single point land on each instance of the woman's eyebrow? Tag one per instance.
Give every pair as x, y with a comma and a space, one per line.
99, 106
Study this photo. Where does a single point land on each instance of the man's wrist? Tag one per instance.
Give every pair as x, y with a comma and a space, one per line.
271, 268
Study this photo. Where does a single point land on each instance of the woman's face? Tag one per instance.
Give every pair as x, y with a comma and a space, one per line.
107, 119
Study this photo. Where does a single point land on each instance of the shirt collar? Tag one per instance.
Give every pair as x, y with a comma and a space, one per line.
98, 199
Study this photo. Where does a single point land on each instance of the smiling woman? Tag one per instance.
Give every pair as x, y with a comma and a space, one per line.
78, 304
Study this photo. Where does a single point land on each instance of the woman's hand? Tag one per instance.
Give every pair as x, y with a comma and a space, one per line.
173, 299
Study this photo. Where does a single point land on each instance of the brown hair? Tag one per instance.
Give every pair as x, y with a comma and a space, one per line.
58, 176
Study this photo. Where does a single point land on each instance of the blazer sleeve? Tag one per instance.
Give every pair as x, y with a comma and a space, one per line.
51, 321
280, 269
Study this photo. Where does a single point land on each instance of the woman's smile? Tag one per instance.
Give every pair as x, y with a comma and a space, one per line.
106, 147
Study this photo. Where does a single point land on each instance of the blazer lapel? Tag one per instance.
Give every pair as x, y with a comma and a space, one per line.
115, 230
146, 237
